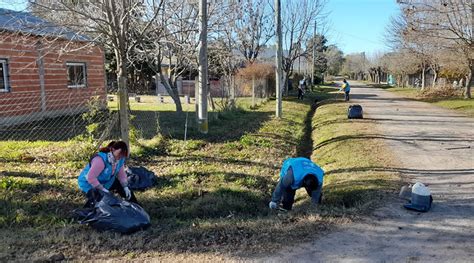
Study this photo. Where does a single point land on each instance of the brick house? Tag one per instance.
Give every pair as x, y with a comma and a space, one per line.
45, 70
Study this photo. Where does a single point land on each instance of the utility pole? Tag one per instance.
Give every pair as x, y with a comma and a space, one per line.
203, 79
314, 55
279, 59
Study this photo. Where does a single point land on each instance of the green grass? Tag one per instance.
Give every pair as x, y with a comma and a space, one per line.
463, 105
457, 103
150, 103
212, 192
357, 166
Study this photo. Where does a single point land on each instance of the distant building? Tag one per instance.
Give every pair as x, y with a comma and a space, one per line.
45, 70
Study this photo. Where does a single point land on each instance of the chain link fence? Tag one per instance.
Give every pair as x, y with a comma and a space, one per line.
93, 116
56, 116
29, 116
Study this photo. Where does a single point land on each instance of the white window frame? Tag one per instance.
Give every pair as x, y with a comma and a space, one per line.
4, 63
84, 70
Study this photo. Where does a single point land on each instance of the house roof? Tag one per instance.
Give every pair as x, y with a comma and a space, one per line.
27, 23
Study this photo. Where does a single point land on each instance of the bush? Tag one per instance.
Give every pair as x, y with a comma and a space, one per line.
440, 92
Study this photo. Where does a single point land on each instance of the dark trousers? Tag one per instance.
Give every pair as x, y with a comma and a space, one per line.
288, 197
92, 195
346, 95
300, 94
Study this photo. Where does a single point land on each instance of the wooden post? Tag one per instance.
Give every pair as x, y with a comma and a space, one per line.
279, 59
253, 92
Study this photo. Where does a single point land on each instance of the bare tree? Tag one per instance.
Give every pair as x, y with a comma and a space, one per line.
400, 64
446, 23
355, 66
254, 27
298, 22
172, 44
120, 25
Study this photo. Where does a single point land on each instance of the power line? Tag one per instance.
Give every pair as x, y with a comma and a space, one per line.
356, 37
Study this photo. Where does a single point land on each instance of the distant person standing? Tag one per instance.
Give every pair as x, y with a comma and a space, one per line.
301, 89
347, 89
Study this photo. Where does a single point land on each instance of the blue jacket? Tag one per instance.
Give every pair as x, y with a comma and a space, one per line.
301, 167
347, 87
106, 178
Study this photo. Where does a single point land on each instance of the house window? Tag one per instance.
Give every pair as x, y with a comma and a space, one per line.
76, 75
4, 87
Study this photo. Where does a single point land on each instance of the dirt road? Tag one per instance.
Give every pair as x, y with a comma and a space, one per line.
434, 146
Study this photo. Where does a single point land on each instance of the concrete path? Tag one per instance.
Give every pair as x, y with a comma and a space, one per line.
435, 146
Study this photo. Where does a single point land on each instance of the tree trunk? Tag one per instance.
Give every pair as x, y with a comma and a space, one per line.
287, 83
435, 78
172, 91
469, 80
423, 67
232, 92
123, 101
211, 100
264, 89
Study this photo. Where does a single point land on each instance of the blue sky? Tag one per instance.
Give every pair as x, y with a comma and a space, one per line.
359, 25
353, 25
18, 5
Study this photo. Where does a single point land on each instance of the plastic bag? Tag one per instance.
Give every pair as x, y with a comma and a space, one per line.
114, 214
140, 178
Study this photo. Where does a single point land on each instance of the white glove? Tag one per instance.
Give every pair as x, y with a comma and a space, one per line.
272, 205
105, 190
128, 193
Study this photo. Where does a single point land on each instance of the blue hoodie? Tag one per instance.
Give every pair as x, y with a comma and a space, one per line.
300, 167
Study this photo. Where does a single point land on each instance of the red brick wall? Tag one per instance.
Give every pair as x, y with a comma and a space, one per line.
24, 96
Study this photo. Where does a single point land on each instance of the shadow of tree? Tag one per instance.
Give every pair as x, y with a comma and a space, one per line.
404, 139
226, 126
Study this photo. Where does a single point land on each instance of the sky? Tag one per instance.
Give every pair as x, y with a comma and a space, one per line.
18, 5
359, 25
353, 25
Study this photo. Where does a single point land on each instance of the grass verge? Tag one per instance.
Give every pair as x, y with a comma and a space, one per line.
213, 191
454, 102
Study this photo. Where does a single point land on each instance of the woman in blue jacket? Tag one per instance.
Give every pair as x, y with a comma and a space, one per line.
105, 171
294, 174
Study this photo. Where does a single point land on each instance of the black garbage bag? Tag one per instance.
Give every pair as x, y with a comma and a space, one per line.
355, 112
140, 178
114, 214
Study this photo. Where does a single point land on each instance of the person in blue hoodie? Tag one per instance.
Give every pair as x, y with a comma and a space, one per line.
294, 174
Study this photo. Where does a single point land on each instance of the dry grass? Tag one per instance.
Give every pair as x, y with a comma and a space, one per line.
443, 96
211, 199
